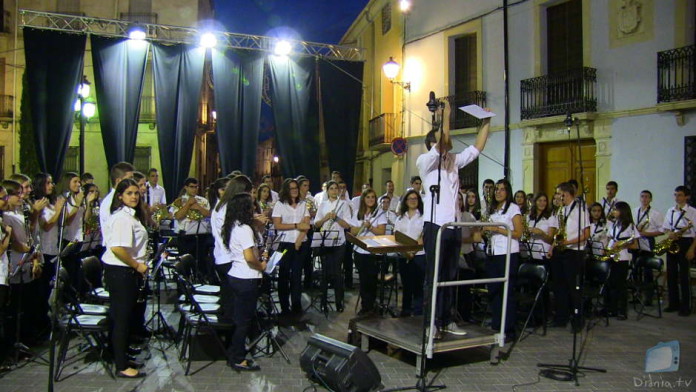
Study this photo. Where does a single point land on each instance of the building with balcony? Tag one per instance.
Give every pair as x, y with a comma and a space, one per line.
186, 13
624, 70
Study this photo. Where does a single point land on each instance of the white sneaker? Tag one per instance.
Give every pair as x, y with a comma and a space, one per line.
454, 329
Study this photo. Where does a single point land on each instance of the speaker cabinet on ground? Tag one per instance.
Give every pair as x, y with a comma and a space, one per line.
339, 366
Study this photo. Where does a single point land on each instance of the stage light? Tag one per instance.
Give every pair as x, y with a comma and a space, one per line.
137, 33
391, 68
405, 5
208, 40
84, 87
214, 114
89, 109
282, 48
276, 159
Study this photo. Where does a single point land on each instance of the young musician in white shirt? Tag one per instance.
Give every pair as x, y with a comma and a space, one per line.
412, 264
622, 233
610, 200
192, 215
291, 220
598, 230
649, 223
268, 180
503, 210
155, 195
567, 263
542, 227
442, 210
333, 217
125, 265
679, 226
389, 191
118, 172
312, 205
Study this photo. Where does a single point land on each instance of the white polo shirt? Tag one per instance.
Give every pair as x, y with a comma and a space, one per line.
217, 220
125, 230
676, 220
412, 226
74, 231
427, 165
4, 262
290, 215
105, 213
656, 221
192, 226
617, 233
15, 219
379, 219
156, 195
539, 247
598, 238
499, 241
242, 238
574, 213
342, 212
607, 205
49, 238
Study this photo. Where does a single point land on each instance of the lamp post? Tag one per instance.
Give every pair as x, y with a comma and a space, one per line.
84, 110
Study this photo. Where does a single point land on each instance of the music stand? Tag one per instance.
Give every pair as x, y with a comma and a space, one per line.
157, 319
319, 244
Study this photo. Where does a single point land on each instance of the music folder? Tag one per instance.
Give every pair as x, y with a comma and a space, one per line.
380, 244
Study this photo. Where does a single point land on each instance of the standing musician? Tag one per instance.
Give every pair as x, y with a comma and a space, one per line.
473, 204
649, 223
311, 204
291, 217
125, 266
69, 187
333, 216
679, 227
5, 236
412, 264
268, 180
385, 205
598, 230
542, 227
118, 172
92, 229
155, 195
443, 209
389, 192
367, 221
567, 251
487, 190
244, 276
503, 210
610, 200
191, 213
622, 235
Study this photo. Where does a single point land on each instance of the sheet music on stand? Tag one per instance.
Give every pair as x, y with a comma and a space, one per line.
274, 257
597, 248
535, 249
325, 238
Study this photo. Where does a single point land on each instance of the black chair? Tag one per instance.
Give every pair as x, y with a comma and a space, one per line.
652, 265
594, 290
93, 272
532, 280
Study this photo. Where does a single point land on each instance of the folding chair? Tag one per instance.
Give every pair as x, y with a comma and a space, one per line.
532, 279
652, 265
594, 290
93, 272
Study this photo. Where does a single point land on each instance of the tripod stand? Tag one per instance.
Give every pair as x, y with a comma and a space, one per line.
319, 244
158, 321
268, 323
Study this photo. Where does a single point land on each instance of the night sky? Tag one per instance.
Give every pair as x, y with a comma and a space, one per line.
323, 21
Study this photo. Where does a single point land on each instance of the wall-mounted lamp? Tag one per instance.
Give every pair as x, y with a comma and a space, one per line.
391, 70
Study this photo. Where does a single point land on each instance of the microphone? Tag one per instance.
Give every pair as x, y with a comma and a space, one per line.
433, 102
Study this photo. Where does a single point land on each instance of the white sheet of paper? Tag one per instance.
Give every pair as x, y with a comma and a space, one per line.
477, 111
273, 261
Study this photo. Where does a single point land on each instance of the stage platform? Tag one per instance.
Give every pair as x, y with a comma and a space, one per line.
406, 333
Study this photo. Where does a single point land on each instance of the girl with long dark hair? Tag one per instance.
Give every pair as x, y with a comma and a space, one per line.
412, 264
473, 204
125, 266
244, 275
291, 221
503, 210
368, 221
598, 230
622, 235
542, 226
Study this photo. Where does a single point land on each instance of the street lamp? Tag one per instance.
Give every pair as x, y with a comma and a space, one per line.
85, 110
391, 70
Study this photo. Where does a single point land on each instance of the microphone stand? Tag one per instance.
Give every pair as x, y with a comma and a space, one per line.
58, 290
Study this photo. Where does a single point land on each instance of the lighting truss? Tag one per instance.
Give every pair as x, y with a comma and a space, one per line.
179, 35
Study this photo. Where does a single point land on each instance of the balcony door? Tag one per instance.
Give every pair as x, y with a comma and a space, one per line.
564, 37
560, 161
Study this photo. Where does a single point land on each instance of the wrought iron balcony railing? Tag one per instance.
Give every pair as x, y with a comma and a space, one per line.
6, 105
382, 129
676, 74
572, 91
458, 119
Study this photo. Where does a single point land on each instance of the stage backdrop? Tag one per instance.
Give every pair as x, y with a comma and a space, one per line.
54, 64
119, 73
178, 71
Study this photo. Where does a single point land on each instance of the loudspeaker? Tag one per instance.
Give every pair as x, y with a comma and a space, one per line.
339, 366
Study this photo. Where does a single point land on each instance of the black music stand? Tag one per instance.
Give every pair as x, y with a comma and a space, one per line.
320, 241
157, 319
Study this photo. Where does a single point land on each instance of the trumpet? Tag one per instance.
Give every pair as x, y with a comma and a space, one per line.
670, 245
612, 252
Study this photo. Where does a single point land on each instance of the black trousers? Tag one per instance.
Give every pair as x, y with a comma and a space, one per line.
495, 268
678, 279
567, 269
290, 276
368, 269
331, 263
308, 264
226, 312
449, 259
348, 265
412, 278
617, 293
198, 246
123, 285
642, 274
245, 293
25, 301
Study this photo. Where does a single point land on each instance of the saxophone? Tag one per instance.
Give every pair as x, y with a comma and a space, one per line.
33, 243
612, 252
644, 224
486, 214
92, 225
560, 235
670, 245
526, 232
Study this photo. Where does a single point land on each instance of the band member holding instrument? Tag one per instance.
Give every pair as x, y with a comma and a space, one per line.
333, 216
443, 209
244, 275
610, 200
649, 223
291, 217
393, 199
412, 264
367, 221
118, 172
542, 227
311, 204
622, 235
598, 230
567, 252
679, 227
155, 195
124, 268
503, 210
192, 214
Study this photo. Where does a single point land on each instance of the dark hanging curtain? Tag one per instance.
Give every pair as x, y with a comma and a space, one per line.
54, 62
238, 79
293, 98
178, 71
341, 93
119, 74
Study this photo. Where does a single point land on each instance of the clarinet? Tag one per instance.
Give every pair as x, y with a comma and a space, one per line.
142, 290
34, 244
